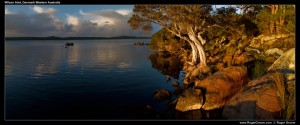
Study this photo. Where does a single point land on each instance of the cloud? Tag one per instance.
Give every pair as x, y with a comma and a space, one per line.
104, 23
72, 20
43, 23
99, 23
39, 9
8, 12
124, 12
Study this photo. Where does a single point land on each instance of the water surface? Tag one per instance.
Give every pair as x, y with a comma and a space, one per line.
94, 79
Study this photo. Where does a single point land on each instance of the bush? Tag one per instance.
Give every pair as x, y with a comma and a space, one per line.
259, 68
163, 40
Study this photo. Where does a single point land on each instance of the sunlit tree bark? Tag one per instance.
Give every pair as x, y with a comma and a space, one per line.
188, 22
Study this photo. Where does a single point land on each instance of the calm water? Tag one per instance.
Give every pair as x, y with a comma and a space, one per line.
94, 79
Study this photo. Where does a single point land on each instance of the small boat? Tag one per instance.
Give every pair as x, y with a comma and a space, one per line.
140, 44
69, 44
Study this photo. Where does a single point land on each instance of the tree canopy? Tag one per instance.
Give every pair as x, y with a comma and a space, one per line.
195, 24
188, 22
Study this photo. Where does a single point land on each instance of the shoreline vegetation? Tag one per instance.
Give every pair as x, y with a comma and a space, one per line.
74, 38
242, 70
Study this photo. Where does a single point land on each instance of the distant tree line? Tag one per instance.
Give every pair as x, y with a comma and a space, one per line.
73, 38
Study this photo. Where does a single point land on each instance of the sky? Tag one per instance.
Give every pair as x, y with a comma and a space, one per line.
70, 21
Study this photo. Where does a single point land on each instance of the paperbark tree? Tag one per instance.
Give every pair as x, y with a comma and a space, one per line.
188, 22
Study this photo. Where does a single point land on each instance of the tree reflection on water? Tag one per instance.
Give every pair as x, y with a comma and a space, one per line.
166, 63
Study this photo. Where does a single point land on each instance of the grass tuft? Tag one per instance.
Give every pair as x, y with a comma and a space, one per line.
287, 101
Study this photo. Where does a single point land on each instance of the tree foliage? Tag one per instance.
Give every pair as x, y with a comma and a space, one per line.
274, 19
163, 40
160, 39
187, 22
199, 24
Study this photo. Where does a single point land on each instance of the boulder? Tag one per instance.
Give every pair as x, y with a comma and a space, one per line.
175, 83
274, 51
242, 59
257, 101
270, 60
228, 58
222, 85
285, 64
260, 99
198, 73
178, 91
220, 66
162, 95
189, 100
280, 41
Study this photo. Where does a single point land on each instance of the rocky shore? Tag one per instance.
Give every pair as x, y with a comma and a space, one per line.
251, 80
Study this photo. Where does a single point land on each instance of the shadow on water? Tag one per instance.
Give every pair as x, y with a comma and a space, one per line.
170, 66
166, 63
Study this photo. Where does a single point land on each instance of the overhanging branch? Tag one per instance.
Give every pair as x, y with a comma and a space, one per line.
178, 34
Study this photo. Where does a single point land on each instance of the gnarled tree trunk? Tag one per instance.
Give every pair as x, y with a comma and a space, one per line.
193, 37
194, 53
196, 42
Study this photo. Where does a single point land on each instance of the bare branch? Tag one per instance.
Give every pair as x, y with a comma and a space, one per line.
203, 41
178, 34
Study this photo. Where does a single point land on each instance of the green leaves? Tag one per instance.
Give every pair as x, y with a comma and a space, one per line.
276, 19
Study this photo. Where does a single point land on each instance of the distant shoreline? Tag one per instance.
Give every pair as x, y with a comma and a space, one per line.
74, 38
